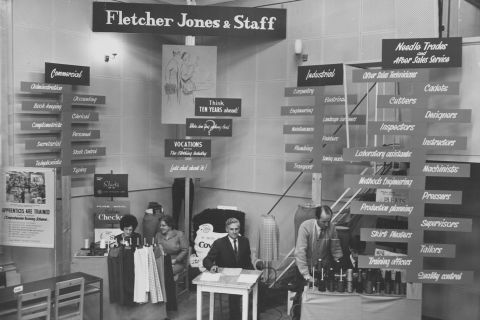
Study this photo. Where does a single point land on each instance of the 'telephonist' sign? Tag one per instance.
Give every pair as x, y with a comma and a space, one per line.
189, 20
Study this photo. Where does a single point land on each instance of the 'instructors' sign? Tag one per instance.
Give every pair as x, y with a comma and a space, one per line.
189, 20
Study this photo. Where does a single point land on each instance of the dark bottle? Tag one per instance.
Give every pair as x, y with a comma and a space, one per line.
369, 282
379, 285
388, 282
331, 280
360, 282
398, 283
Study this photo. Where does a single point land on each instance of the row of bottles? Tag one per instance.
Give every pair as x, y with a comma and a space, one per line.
369, 281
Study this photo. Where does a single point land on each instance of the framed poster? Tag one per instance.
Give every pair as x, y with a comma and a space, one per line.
110, 185
28, 210
188, 72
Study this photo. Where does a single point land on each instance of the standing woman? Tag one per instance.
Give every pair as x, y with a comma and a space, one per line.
175, 247
173, 243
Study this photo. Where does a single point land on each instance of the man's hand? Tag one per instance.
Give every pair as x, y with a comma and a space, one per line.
174, 261
214, 269
308, 278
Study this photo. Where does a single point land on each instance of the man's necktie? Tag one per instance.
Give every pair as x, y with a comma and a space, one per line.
235, 249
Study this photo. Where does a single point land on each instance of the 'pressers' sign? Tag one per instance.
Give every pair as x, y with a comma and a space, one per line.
67, 74
196, 148
189, 20
320, 75
422, 53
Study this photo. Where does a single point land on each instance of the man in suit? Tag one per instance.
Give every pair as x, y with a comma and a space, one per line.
231, 251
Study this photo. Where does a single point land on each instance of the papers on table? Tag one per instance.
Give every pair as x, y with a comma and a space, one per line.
208, 276
247, 278
231, 271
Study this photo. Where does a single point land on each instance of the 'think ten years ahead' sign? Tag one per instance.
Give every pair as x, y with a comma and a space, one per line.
422, 53
189, 20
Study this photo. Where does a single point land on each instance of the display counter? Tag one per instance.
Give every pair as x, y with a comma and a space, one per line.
98, 266
354, 306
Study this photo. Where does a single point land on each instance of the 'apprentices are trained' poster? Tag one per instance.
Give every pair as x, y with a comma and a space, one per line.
28, 207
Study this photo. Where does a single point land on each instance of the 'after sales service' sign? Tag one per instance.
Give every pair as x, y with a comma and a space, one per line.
189, 20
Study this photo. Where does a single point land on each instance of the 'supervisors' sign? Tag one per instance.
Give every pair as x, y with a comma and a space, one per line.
189, 20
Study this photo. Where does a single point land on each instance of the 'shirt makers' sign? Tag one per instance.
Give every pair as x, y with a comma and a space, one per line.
67, 74
320, 75
189, 20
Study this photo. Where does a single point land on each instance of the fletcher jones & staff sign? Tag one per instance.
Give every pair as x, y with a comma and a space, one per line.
67, 74
189, 20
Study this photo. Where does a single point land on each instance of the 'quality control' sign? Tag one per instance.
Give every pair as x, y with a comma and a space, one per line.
189, 20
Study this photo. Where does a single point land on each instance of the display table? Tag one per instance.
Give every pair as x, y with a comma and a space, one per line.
353, 306
229, 285
93, 285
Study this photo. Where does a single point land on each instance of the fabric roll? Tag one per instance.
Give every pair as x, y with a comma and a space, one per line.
268, 239
303, 213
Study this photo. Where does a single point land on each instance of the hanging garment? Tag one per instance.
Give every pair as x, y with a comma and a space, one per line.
141, 285
115, 274
170, 285
268, 238
153, 278
178, 196
159, 259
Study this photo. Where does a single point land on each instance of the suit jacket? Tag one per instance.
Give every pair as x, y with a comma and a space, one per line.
221, 254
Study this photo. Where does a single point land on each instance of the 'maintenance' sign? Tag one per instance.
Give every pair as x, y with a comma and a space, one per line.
189, 20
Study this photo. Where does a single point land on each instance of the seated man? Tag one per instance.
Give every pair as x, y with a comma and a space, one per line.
231, 251
355, 246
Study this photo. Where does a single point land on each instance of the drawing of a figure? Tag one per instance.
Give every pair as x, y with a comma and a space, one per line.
172, 77
187, 71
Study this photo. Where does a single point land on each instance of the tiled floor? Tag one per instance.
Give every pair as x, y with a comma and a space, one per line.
187, 309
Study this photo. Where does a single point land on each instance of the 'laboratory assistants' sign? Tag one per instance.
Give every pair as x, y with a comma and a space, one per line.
189, 20
28, 210
110, 185
422, 53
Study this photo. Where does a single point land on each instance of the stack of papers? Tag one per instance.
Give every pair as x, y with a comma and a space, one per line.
208, 276
231, 271
247, 278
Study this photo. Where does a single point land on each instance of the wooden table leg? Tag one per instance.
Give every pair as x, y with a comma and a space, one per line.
255, 301
212, 305
245, 305
199, 304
